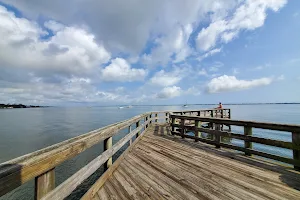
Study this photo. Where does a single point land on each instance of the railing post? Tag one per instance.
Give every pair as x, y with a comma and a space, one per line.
167, 117
182, 131
296, 153
156, 120
211, 113
217, 135
229, 114
150, 118
199, 113
146, 121
248, 145
44, 183
222, 113
129, 130
137, 124
172, 125
107, 145
197, 133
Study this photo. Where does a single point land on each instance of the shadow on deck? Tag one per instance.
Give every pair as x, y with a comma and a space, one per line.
162, 166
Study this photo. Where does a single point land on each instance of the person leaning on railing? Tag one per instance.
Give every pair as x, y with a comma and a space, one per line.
220, 105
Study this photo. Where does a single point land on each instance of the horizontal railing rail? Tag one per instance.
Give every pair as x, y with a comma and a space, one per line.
215, 128
216, 112
40, 165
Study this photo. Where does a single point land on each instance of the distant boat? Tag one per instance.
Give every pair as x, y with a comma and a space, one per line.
185, 105
121, 107
129, 107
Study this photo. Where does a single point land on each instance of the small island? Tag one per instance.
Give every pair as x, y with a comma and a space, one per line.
4, 106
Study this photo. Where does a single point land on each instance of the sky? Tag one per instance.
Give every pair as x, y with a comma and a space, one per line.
140, 52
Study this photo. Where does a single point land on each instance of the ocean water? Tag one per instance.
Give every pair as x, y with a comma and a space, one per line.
26, 130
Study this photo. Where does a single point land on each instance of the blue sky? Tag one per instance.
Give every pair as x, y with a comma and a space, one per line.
149, 52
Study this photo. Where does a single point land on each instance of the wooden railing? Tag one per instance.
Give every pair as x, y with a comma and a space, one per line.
40, 165
219, 113
180, 127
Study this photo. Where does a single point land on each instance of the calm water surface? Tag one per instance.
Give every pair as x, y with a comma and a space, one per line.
26, 130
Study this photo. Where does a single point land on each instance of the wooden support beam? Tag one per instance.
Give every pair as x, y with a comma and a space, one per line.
217, 135
44, 183
296, 153
137, 124
108, 145
173, 124
197, 133
129, 130
182, 131
248, 132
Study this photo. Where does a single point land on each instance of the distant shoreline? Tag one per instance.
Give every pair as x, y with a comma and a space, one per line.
10, 106
208, 104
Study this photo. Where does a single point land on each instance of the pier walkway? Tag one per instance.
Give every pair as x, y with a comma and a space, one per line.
161, 166
170, 155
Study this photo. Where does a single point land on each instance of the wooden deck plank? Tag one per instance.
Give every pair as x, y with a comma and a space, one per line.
161, 166
238, 170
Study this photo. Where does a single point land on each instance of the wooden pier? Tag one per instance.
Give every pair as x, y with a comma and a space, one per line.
169, 158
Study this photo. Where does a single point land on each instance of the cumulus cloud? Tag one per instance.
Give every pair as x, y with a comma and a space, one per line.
210, 53
120, 70
85, 45
76, 90
231, 83
248, 16
70, 50
169, 92
164, 78
203, 72
281, 77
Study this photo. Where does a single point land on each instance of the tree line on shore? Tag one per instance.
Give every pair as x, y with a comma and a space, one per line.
18, 106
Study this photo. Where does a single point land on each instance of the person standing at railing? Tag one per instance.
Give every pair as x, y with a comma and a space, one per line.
220, 106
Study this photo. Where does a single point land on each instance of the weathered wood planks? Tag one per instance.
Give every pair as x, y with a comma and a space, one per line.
166, 167
66, 188
216, 129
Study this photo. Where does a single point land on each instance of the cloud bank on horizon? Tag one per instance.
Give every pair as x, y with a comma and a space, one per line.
148, 52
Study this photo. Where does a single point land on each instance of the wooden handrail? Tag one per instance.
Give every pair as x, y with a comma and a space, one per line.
215, 129
254, 124
66, 188
41, 164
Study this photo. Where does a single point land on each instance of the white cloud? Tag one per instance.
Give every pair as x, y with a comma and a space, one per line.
174, 44
261, 67
210, 53
248, 16
69, 57
168, 78
193, 91
69, 90
203, 72
231, 83
70, 50
235, 71
169, 92
120, 70
215, 66
281, 78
